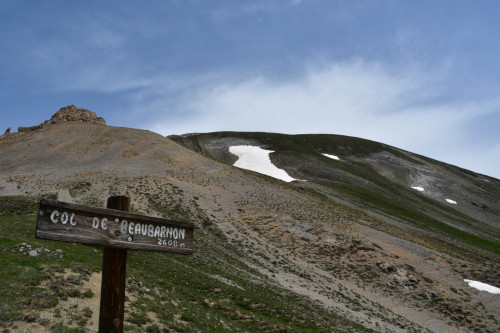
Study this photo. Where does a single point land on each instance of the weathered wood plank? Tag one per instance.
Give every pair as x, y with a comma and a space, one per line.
114, 267
68, 222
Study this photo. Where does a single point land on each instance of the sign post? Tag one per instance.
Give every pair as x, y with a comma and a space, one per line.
114, 266
116, 230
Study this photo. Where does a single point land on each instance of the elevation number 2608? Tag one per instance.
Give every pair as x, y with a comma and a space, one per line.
170, 242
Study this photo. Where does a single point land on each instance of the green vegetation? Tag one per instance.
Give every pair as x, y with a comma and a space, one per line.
17, 205
210, 291
416, 217
302, 143
21, 275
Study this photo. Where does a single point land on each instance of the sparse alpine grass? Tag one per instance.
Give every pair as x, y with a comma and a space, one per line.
213, 290
416, 217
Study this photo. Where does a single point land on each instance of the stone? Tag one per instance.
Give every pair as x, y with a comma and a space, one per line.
72, 113
7, 131
387, 267
402, 280
33, 253
68, 113
432, 294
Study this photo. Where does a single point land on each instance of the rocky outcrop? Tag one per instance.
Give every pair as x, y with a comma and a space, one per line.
72, 113
29, 129
400, 275
69, 113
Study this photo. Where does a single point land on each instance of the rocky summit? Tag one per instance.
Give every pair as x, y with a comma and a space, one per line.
68, 113
365, 238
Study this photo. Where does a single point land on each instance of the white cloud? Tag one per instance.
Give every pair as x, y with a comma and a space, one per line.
402, 108
342, 98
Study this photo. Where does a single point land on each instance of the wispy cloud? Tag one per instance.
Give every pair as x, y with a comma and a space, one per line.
404, 108
424, 79
325, 99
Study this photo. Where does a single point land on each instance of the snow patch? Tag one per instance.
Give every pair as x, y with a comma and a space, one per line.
257, 159
482, 286
451, 201
418, 188
333, 157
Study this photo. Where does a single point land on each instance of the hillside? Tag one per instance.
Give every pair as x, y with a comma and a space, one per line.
349, 246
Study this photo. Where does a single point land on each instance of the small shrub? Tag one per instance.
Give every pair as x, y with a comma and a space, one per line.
153, 329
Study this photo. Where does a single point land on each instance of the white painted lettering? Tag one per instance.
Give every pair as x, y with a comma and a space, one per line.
138, 229
95, 222
144, 229
170, 242
103, 223
54, 216
176, 233
123, 227
131, 228
151, 230
64, 217
72, 219
182, 233
163, 231
157, 232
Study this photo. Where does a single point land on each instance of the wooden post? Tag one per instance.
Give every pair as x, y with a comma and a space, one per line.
114, 266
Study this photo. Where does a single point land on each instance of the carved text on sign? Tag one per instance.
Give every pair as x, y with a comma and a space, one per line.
112, 228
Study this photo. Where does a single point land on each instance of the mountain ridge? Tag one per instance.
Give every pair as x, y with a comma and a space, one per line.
354, 239
391, 164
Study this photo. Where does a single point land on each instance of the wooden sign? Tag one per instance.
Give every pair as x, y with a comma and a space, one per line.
106, 227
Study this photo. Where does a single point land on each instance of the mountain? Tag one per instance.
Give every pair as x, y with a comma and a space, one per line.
368, 237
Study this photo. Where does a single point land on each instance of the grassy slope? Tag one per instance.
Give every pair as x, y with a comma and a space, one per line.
369, 190
416, 217
210, 291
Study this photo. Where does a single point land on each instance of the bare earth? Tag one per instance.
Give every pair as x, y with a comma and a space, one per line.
335, 256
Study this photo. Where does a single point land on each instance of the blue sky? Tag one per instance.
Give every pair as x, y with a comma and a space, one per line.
419, 75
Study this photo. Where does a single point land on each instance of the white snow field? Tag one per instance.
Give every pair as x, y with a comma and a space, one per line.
418, 188
451, 201
482, 286
257, 159
333, 157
